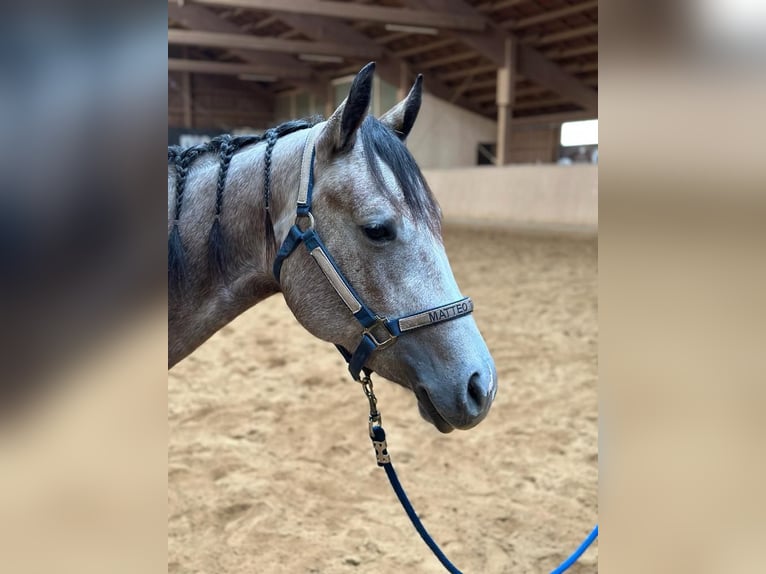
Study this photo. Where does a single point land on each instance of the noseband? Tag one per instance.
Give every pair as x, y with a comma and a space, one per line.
378, 332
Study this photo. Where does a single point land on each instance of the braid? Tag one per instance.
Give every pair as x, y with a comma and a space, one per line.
176, 254
226, 152
183, 163
268, 224
271, 140
216, 239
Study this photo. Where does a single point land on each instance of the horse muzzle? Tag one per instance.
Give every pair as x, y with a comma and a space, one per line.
459, 406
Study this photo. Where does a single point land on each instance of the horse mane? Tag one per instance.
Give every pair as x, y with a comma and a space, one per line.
178, 154
224, 146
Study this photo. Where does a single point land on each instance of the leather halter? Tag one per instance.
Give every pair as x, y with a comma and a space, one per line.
377, 332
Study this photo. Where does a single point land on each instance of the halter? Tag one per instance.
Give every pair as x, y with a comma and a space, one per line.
378, 332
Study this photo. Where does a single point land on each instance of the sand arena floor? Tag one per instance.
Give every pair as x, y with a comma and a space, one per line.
271, 470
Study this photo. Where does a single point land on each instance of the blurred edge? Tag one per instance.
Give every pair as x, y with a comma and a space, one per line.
681, 286
83, 113
83, 399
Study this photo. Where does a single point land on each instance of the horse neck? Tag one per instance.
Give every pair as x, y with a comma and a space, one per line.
207, 302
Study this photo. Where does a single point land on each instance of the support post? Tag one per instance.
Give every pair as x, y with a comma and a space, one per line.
505, 99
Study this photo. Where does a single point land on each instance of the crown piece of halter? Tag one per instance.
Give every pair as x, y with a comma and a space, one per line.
378, 332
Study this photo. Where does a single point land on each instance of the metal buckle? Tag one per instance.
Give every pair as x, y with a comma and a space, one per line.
380, 322
308, 216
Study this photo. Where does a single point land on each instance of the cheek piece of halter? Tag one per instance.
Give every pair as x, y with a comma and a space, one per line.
377, 332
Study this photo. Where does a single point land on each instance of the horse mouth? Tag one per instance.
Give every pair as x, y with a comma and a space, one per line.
429, 412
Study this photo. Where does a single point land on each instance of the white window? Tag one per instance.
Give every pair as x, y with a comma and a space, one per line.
579, 133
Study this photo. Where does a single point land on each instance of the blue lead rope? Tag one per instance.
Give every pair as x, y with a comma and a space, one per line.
378, 436
577, 553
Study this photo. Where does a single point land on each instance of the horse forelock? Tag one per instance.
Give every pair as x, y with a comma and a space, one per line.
381, 143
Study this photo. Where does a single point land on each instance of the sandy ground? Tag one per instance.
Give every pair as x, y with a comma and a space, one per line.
271, 470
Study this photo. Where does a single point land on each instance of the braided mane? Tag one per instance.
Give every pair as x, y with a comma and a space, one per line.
224, 147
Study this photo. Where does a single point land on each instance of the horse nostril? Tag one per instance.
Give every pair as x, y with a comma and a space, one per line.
478, 393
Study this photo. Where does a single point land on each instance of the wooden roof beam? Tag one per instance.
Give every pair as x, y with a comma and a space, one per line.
265, 23
549, 15
543, 72
392, 37
518, 92
423, 48
502, 5
484, 84
524, 105
200, 18
530, 63
226, 68
553, 119
441, 19
260, 44
564, 53
472, 71
444, 60
545, 39
578, 68
539, 103
389, 66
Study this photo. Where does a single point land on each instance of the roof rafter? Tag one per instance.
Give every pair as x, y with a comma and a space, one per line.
549, 15
450, 59
260, 44
354, 11
473, 71
389, 66
495, 6
554, 118
552, 38
200, 18
423, 48
564, 53
234, 69
530, 62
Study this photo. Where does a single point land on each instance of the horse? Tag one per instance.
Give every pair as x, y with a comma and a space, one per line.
231, 205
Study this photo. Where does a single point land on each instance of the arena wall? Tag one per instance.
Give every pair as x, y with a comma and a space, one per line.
447, 136
542, 197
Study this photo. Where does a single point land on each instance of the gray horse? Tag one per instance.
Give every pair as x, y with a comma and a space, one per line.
231, 203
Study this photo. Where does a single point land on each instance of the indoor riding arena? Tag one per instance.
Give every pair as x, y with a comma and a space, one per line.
271, 469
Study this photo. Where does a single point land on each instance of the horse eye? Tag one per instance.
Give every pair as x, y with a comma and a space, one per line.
378, 232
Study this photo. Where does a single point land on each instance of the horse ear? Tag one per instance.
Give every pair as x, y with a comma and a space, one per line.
340, 132
402, 116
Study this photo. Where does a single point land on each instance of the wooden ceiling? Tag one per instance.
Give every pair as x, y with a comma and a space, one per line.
459, 47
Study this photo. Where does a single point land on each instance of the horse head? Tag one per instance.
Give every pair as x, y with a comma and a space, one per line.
378, 218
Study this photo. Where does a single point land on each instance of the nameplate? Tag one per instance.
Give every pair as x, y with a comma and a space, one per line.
438, 315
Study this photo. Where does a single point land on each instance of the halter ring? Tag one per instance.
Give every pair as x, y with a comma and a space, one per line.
308, 215
380, 322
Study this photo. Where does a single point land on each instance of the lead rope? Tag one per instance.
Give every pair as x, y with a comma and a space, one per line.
378, 437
